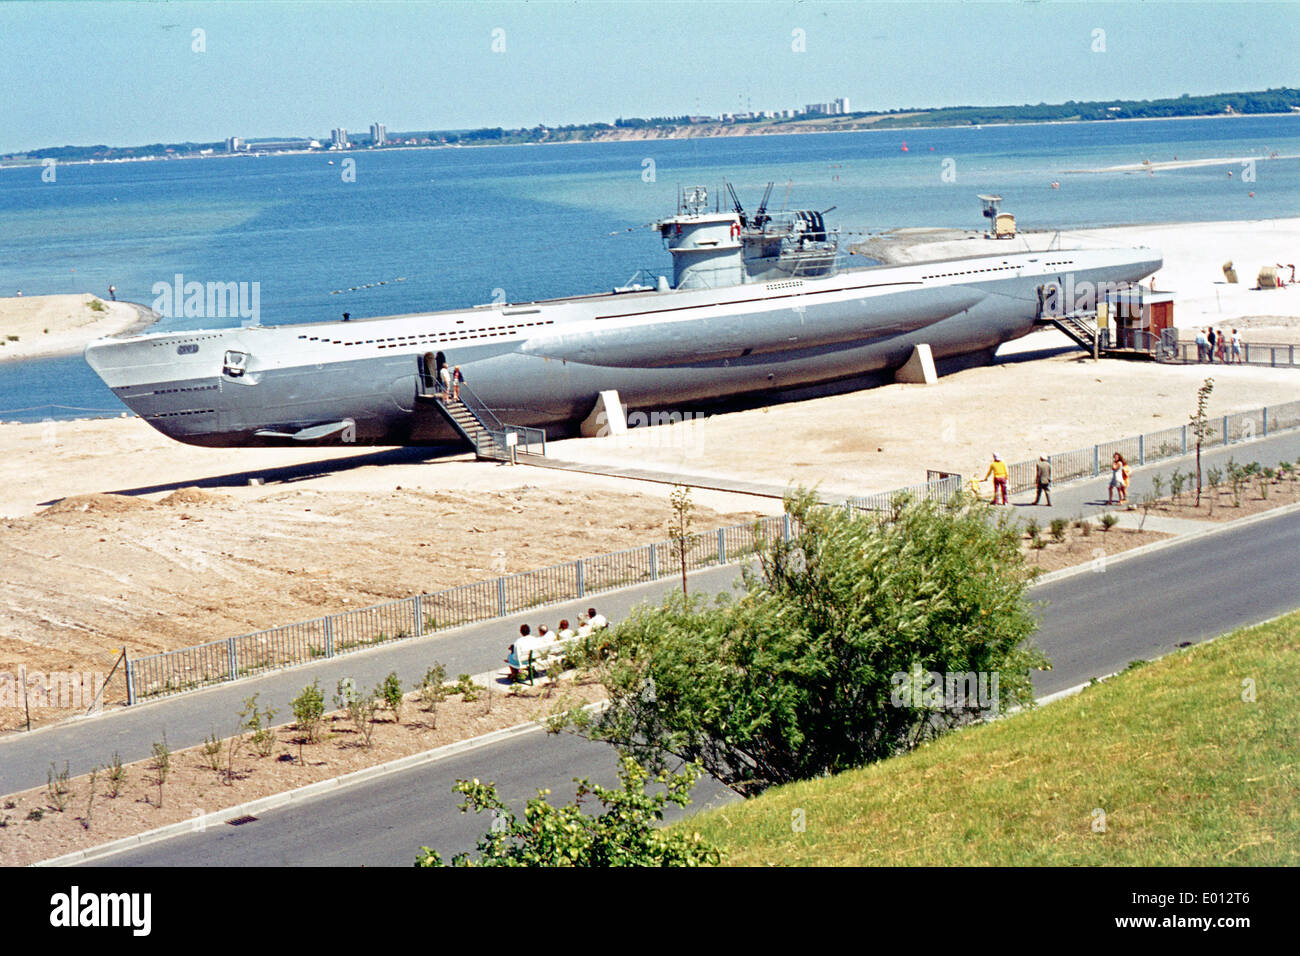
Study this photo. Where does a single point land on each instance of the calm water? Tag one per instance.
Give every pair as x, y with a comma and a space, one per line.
447, 228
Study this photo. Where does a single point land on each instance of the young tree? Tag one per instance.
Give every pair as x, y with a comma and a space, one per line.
797, 677
626, 834
1200, 423
679, 526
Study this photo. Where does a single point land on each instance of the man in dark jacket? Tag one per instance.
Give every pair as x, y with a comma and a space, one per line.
1043, 478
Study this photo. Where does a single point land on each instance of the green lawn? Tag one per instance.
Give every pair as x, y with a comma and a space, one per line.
1185, 770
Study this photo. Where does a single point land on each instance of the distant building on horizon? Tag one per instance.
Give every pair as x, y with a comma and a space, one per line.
378, 134
234, 144
339, 138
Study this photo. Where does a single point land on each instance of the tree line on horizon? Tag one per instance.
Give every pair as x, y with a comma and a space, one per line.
1282, 100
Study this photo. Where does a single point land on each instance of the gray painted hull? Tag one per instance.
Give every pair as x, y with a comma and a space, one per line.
543, 364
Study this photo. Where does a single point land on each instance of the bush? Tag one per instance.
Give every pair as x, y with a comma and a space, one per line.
97, 306
805, 672
1108, 521
1058, 529
626, 834
390, 692
309, 711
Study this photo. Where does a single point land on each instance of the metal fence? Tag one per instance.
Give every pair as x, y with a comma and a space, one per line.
215, 662
172, 672
1175, 442
1273, 355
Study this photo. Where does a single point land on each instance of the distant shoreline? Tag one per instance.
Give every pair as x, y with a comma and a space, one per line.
646, 135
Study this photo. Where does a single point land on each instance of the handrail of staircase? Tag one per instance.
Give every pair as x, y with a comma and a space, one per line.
485, 415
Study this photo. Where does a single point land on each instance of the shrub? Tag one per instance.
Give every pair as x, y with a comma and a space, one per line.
1158, 484
309, 711
1058, 529
807, 672
1032, 528
116, 776
211, 749
1085, 528
390, 692
625, 834
97, 306
1177, 482
1108, 521
57, 787
161, 764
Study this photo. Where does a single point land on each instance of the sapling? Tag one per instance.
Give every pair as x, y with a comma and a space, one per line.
116, 776
57, 786
161, 764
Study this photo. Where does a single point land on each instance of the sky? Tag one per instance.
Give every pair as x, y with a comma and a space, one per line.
138, 72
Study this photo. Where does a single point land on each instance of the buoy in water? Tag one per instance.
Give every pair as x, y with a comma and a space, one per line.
905, 146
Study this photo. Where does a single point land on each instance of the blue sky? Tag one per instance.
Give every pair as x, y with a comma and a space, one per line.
126, 73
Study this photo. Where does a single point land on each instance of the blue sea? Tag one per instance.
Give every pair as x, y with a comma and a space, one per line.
443, 228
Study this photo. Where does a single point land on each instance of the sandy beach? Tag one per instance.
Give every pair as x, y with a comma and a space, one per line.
112, 534
36, 326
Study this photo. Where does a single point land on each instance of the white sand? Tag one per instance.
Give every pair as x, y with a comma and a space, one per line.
58, 324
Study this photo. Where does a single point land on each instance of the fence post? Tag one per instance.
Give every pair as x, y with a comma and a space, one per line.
233, 657
1247, 344
1291, 356
1184, 439
722, 546
1096, 460
501, 597
130, 682
329, 635
1264, 413
1225, 429
582, 588
419, 614
785, 527
1142, 450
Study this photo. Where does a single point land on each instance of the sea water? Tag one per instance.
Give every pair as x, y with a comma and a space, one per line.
385, 232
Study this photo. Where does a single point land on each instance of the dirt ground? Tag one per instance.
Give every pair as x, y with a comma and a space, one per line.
95, 572
193, 788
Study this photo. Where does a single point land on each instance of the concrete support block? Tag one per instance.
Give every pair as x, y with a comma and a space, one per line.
609, 417
919, 369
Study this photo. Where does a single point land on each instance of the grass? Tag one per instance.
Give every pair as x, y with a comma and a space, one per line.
1186, 772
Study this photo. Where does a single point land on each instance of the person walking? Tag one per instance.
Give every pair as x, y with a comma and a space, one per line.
1125, 472
1209, 338
112, 292
1116, 476
444, 375
1222, 347
998, 469
1043, 479
1236, 347
1201, 344
457, 380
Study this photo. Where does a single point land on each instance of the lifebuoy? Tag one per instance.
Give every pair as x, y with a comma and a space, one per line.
735, 230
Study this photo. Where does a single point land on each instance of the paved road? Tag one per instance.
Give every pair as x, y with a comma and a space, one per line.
1092, 625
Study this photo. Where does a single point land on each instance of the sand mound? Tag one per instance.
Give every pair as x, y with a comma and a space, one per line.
193, 496
96, 504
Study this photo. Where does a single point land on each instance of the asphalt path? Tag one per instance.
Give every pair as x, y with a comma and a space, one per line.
1093, 624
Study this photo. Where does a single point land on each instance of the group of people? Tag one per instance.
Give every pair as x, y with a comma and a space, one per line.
448, 378
1119, 478
1212, 345
998, 472
1117, 493
546, 641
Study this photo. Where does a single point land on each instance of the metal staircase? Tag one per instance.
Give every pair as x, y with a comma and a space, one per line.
478, 425
1076, 327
